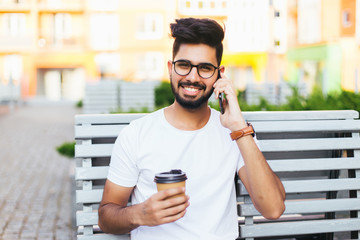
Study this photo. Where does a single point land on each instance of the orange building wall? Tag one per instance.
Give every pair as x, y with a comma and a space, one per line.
350, 7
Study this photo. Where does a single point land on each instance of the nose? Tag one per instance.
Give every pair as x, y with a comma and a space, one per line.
193, 75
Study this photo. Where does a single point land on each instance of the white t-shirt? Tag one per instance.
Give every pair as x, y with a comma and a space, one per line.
209, 158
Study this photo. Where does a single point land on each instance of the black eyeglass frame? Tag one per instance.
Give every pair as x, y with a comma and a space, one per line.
197, 68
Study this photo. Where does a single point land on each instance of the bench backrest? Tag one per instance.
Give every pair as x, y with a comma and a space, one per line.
303, 148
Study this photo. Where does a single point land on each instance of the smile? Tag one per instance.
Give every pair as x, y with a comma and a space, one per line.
191, 89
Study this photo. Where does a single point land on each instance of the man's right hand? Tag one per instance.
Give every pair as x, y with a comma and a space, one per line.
160, 208
117, 218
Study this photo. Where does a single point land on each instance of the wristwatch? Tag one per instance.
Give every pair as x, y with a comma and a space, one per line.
249, 130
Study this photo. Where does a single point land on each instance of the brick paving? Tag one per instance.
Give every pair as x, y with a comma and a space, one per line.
35, 181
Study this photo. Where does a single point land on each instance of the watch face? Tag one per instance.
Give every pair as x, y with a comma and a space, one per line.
252, 129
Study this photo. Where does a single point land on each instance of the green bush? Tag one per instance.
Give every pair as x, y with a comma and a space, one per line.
296, 102
67, 149
343, 100
163, 95
79, 104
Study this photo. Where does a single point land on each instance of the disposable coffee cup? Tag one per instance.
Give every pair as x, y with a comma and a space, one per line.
172, 179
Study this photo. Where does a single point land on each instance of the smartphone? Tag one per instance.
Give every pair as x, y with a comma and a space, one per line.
221, 97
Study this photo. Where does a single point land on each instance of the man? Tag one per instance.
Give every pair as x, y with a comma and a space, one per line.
190, 136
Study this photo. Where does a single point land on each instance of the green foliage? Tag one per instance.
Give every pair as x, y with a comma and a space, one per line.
343, 100
67, 149
317, 100
163, 95
79, 104
132, 110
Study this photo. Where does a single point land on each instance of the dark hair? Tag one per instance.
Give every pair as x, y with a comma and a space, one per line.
196, 31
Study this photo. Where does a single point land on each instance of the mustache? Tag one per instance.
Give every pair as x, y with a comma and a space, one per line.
191, 84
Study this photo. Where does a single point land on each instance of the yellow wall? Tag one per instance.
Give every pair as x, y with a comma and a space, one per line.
330, 24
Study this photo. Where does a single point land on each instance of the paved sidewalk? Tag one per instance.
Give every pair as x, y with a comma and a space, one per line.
35, 182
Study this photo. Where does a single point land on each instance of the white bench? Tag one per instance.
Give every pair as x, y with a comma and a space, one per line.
315, 153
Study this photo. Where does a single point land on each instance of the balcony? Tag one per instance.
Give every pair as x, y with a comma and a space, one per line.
8, 6
16, 43
70, 6
203, 7
51, 44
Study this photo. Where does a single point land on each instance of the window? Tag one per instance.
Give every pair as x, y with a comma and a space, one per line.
108, 63
248, 26
357, 23
62, 27
203, 7
13, 69
309, 21
103, 37
103, 5
14, 24
149, 26
151, 66
346, 18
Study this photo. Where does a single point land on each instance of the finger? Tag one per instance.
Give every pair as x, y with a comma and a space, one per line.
222, 74
175, 208
164, 194
174, 215
175, 201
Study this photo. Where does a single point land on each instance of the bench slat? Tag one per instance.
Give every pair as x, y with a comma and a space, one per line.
91, 173
86, 218
103, 236
309, 206
93, 150
300, 115
97, 131
313, 164
249, 116
299, 227
107, 118
287, 145
307, 126
322, 185
89, 196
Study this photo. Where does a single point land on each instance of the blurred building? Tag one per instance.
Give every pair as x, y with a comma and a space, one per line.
52, 48
326, 52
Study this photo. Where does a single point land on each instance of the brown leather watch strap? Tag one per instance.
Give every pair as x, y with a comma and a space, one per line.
249, 130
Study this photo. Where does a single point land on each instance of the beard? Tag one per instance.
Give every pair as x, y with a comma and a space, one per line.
190, 104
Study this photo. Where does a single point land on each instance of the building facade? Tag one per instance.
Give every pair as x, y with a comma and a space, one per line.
52, 48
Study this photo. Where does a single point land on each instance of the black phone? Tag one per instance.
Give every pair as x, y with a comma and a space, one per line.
221, 97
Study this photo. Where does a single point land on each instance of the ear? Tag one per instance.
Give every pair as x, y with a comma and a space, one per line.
170, 66
222, 68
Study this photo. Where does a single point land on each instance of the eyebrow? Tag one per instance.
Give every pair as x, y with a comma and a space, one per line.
185, 60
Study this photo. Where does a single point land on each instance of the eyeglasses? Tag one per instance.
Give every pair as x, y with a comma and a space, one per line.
184, 67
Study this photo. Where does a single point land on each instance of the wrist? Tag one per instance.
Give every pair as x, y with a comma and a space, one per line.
237, 126
136, 216
245, 131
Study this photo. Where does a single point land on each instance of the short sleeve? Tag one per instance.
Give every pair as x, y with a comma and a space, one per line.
123, 170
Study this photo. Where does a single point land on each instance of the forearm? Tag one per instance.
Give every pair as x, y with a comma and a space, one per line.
116, 219
264, 187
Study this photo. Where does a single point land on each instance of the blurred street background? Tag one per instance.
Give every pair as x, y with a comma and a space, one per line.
96, 51
36, 182
111, 56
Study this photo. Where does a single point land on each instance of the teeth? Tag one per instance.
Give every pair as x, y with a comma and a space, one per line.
191, 89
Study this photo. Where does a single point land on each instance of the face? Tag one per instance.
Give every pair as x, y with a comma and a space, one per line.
192, 91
